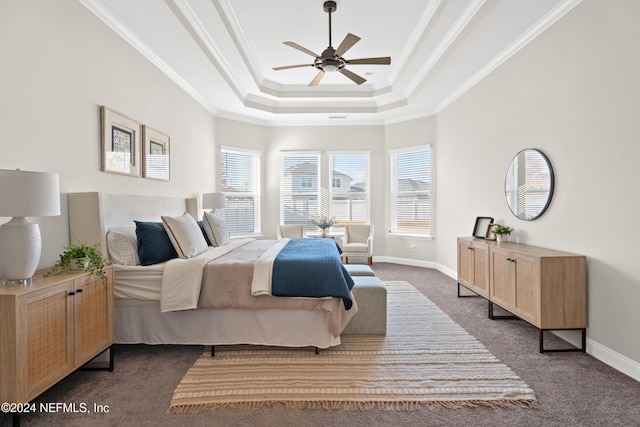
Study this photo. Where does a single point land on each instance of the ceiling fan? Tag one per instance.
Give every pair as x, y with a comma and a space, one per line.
331, 59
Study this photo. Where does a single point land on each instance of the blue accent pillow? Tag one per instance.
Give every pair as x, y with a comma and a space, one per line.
206, 238
154, 245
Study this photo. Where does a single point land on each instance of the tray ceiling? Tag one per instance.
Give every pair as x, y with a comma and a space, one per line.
222, 52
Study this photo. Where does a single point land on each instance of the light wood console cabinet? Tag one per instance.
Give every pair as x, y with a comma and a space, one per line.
544, 287
51, 328
473, 266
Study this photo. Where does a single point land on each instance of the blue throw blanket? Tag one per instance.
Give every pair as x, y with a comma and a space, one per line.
311, 268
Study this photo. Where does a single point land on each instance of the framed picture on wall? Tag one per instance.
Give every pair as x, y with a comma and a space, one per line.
481, 226
120, 140
156, 158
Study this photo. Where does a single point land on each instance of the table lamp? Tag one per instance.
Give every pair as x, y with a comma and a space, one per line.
24, 194
213, 201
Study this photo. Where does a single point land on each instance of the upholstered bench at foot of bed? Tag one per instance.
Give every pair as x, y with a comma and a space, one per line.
371, 296
359, 270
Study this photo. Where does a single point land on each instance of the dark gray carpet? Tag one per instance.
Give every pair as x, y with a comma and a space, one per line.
573, 389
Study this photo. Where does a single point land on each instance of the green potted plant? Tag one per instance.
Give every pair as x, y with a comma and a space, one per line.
80, 256
501, 231
323, 223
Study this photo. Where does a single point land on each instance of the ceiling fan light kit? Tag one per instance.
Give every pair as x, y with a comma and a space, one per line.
331, 59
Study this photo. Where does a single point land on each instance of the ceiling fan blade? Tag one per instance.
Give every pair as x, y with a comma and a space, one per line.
302, 49
286, 67
376, 61
353, 76
317, 79
347, 43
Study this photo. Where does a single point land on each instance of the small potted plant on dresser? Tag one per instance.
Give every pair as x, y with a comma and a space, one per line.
80, 256
501, 232
323, 223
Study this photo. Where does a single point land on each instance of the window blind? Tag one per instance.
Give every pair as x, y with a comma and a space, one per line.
241, 185
411, 191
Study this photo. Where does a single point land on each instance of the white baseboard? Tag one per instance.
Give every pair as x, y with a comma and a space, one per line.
405, 261
614, 359
604, 354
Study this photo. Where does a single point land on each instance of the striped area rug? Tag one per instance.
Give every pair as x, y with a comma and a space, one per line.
426, 360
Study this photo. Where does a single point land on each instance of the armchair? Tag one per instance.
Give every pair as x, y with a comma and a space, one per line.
291, 231
358, 242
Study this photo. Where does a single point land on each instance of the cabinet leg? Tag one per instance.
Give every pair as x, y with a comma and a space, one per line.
465, 296
501, 317
100, 368
583, 341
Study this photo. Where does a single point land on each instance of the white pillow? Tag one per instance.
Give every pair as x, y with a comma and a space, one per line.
122, 245
185, 235
216, 229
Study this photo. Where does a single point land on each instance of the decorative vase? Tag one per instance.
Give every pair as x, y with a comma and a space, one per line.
502, 238
79, 264
324, 232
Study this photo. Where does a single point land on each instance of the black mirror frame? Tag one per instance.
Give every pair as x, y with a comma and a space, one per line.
552, 183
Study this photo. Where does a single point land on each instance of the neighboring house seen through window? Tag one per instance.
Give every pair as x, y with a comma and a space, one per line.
349, 201
299, 188
304, 196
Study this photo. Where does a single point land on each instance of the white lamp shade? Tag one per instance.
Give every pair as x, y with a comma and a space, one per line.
24, 194
213, 201
29, 193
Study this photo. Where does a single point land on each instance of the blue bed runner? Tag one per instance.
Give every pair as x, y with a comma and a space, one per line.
311, 268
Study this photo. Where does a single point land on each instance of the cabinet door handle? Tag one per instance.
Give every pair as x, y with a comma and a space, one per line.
71, 293
79, 290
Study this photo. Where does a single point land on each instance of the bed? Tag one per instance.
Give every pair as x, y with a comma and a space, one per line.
142, 316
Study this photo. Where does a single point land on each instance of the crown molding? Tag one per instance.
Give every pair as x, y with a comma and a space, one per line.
99, 10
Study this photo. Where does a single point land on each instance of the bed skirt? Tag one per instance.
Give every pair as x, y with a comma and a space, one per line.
141, 322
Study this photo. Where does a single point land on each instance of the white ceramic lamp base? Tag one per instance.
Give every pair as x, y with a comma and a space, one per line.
20, 247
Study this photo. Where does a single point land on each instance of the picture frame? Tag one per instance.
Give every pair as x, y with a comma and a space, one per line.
490, 235
156, 161
120, 141
481, 226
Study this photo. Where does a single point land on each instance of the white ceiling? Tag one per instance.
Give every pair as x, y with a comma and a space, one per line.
222, 52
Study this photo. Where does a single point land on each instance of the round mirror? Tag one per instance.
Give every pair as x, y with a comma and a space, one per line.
529, 184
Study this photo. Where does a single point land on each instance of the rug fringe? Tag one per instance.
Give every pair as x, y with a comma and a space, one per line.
354, 405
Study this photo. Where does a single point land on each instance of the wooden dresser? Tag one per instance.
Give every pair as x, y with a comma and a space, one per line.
51, 328
544, 287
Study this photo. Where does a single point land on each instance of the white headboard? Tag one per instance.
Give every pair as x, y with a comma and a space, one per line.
92, 214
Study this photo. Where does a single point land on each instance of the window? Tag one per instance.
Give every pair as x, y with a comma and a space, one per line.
411, 191
300, 188
349, 193
241, 185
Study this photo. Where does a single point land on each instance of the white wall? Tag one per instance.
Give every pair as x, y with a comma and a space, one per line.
573, 93
59, 64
